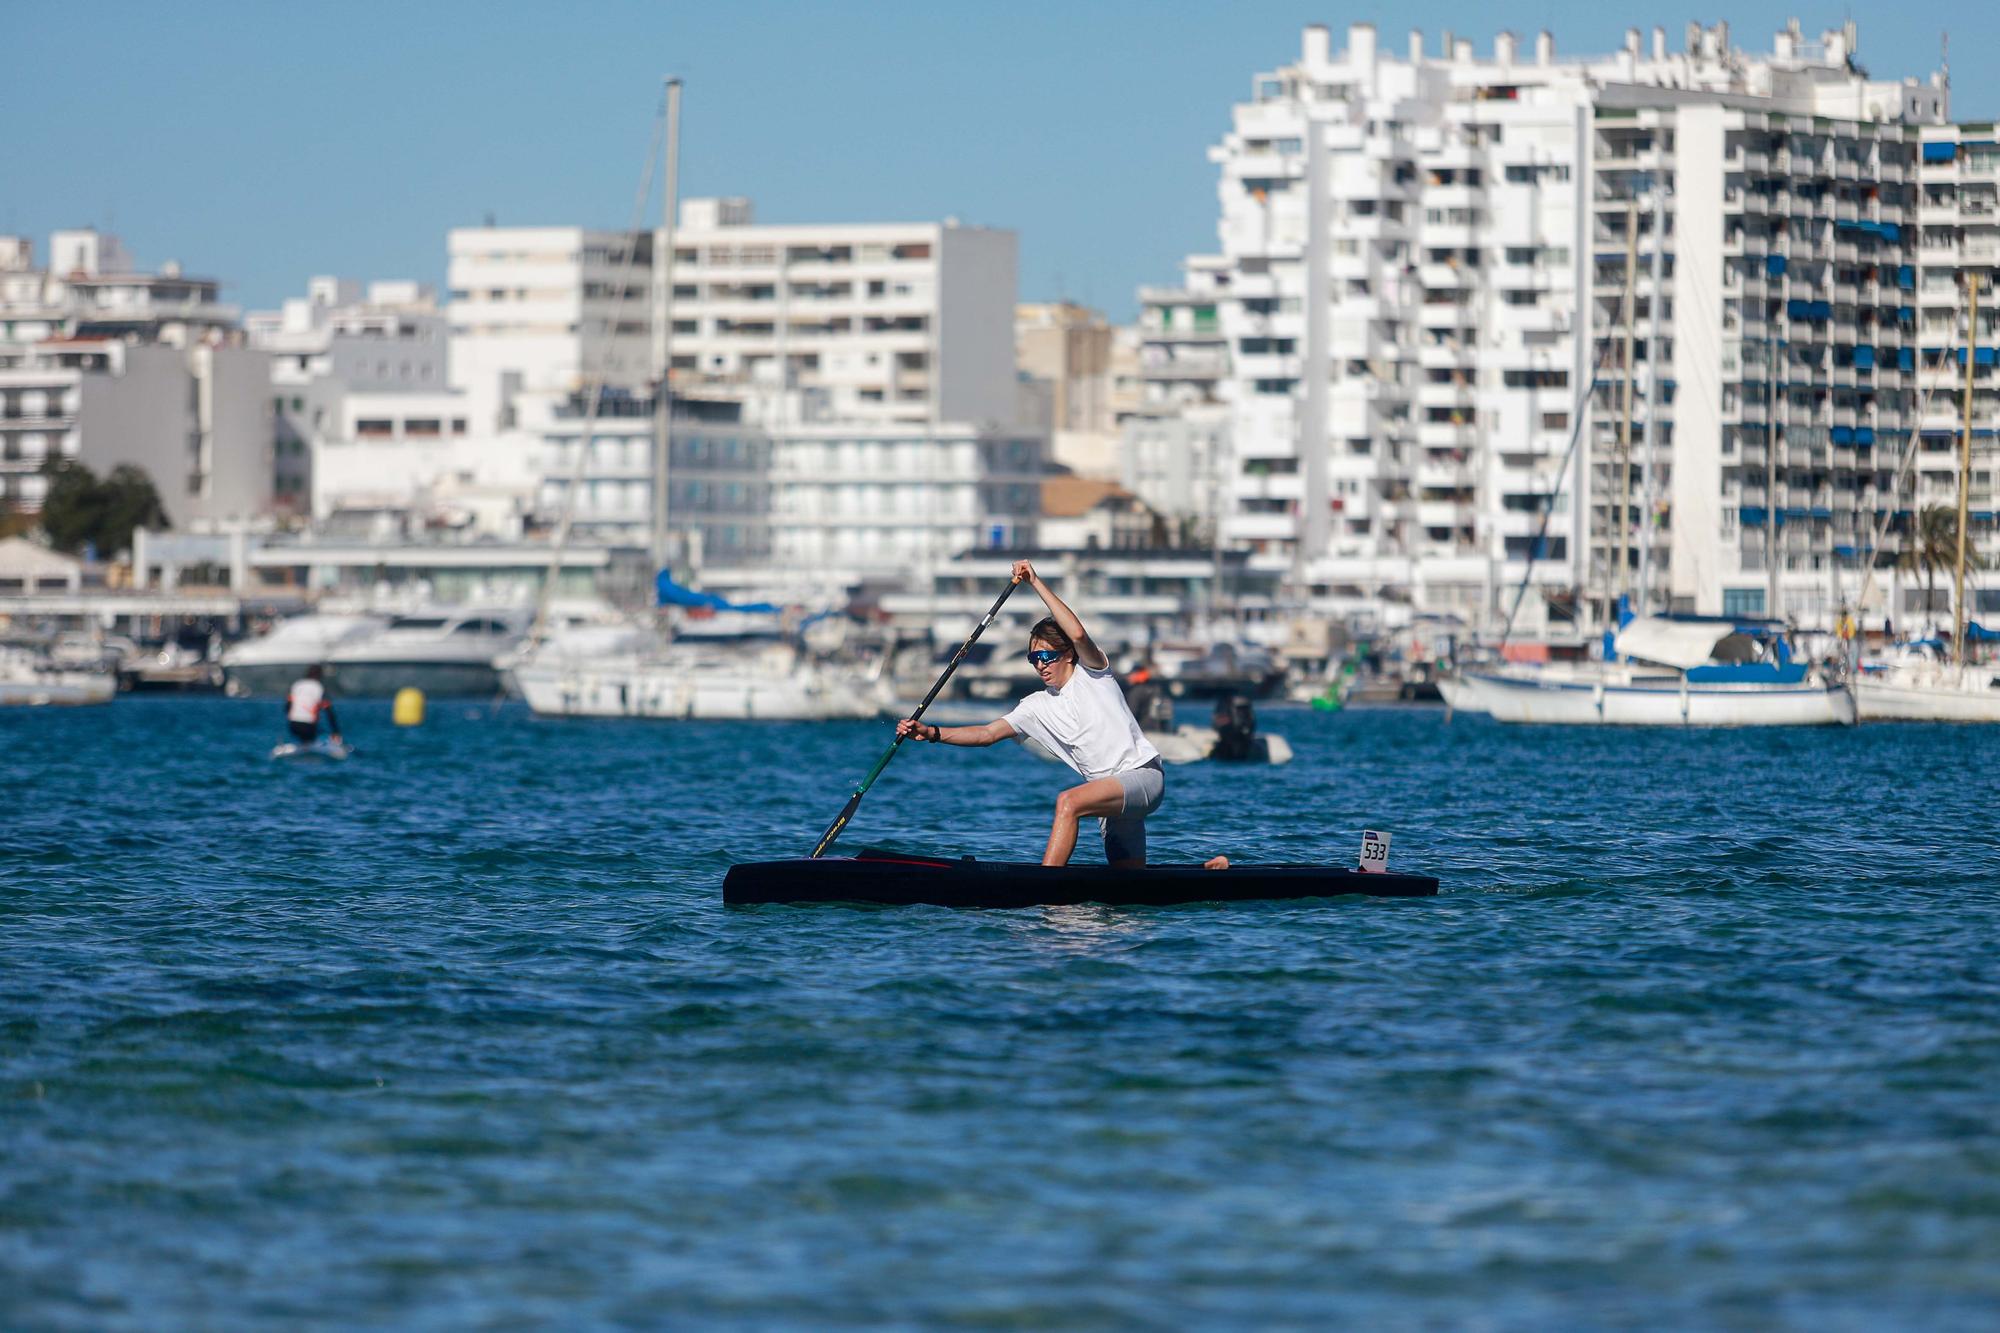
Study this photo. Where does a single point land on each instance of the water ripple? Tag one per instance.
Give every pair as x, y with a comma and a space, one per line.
1701, 1031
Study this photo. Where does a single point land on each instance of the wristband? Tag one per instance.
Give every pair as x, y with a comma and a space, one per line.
937, 734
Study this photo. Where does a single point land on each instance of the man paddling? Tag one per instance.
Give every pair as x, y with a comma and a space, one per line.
304, 704
1081, 717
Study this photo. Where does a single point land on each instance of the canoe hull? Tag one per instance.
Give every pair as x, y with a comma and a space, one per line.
908, 881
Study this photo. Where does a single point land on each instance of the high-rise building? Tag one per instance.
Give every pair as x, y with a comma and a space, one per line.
1426, 267
1174, 444
867, 322
547, 310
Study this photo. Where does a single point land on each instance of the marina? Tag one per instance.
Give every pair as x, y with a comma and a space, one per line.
920, 719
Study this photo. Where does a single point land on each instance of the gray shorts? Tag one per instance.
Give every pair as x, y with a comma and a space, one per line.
1125, 832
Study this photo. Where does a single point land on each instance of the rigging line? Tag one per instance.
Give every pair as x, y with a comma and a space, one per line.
1895, 485
1581, 414
538, 628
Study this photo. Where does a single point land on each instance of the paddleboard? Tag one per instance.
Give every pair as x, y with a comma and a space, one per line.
904, 879
317, 750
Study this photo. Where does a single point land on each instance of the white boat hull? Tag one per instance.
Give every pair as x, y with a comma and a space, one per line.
676, 693
1187, 744
1940, 700
57, 689
1459, 696
1660, 701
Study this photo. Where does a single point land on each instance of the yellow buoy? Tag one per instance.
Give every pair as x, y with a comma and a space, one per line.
409, 710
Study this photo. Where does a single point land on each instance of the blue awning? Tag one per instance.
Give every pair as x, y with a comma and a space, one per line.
1906, 276
1843, 435
1845, 551
1752, 516
1864, 436
1940, 152
671, 593
1774, 265
1864, 358
1888, 231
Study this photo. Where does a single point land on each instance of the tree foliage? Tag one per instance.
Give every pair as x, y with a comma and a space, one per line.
79, 509
1933, 548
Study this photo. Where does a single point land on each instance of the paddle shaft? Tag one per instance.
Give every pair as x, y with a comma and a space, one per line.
854, 801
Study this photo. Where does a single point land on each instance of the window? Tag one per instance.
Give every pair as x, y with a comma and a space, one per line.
1742, 601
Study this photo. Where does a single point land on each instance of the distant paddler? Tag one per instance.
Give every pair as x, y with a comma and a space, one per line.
1081, 716
305, 704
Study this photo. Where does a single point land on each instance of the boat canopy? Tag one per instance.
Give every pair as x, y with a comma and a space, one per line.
671, 593
1686, 642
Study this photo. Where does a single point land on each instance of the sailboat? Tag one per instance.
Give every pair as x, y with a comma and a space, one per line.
1696, 671
1921, 685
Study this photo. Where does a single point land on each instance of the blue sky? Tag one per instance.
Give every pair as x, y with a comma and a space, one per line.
263, 143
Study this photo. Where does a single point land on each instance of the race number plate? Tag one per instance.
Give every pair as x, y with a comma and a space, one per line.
1374, 852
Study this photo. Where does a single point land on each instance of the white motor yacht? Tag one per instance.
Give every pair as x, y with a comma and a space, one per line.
268, 664
774, 683
442, 653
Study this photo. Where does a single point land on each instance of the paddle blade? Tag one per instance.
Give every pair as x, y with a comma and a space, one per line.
839, 823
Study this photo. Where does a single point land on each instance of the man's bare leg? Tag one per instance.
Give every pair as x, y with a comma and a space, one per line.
1103, 797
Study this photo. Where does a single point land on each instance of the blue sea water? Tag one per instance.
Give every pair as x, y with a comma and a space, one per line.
1704, 1030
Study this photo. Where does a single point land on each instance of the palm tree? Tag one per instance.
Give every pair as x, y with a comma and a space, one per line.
1936, 548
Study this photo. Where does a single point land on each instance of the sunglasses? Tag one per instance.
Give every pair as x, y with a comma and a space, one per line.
1041, 657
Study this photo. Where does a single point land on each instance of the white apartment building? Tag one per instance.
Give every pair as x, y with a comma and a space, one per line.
413, 456
877, 322
1175, 443
1426, 263
808, 503
91, 289
1957, 179
547, 310
341, 338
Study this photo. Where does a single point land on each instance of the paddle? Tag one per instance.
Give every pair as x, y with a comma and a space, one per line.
854, 801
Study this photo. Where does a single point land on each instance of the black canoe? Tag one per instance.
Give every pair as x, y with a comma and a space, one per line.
904, 879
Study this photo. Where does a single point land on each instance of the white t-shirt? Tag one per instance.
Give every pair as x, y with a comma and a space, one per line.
1086, 724
305, 700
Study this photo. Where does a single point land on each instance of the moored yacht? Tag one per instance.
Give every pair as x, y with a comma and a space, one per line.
28, 677
1677, 671
442, 653
267, 665
1919, 685
682, 681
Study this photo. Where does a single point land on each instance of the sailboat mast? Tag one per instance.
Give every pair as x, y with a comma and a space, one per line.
1965, 467
663, 326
